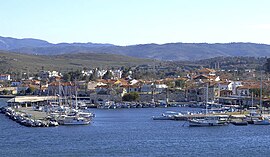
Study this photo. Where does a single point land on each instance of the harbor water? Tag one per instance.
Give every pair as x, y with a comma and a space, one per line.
132, 132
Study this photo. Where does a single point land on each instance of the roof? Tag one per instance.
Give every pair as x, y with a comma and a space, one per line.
4, 74
201, 77
23, 99
206, 70
61, 83
249, 87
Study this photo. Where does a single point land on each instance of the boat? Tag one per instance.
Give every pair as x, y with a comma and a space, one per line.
255, 117
75, 116
207, 119
73, 120
53, 123
169, 115
239, 122
210, 120
262, 121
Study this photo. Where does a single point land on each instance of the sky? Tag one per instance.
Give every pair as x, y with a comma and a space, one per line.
129, 22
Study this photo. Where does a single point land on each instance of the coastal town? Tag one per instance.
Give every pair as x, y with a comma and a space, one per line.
229, 87
138, 78
70, 93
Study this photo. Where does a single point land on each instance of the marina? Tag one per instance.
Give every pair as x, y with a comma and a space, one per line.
44, 112
41, 112
132, 132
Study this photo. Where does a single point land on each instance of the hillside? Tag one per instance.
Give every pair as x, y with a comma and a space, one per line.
170, 51
8, 43
16, 62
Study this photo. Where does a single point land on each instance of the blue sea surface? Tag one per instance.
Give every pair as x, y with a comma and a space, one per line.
132, 132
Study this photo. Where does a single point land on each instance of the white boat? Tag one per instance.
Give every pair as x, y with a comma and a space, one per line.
73, 120
252, 116
169, 115
75, 116
207, 121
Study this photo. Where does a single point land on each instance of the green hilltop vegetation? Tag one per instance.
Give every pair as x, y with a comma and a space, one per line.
16, 62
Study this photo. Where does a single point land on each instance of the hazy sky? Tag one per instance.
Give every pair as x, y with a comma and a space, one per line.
126, 22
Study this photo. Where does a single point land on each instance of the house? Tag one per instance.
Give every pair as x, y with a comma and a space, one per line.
147, 88
102, 89
92, 85
15, 84
5, 77
117, 74
201, 78
225, 86
159, 88
61, 88
207, 71
134, 88
233, 85
243, 91
230, 86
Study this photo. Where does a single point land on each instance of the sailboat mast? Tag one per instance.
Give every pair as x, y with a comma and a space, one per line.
76, 95
206, 99
261, 93
59, 95
252, 99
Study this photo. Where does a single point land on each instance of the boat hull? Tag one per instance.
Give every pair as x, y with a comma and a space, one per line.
240, 123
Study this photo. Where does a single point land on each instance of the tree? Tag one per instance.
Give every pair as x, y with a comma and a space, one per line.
5, 92
93, 76
67, 77
180, 83
125, 71
30, 90
132, 96
267, 65
107, 75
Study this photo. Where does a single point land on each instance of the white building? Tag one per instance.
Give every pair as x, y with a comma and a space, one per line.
4, 77
117, 74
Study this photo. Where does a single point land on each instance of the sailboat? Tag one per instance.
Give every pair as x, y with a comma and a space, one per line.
208, 120
75, 116
253, 115
261, 120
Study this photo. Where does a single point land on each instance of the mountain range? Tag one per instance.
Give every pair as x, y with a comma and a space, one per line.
170, 51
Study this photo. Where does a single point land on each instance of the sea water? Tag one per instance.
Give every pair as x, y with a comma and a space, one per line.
132, 132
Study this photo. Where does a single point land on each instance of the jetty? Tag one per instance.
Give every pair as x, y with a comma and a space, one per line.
37, 111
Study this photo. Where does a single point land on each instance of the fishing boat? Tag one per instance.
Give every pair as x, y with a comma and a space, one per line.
207, 121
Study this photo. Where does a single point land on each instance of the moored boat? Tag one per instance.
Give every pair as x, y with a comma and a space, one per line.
169, 115
208, 121
73, 120
262, 121
239, 122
